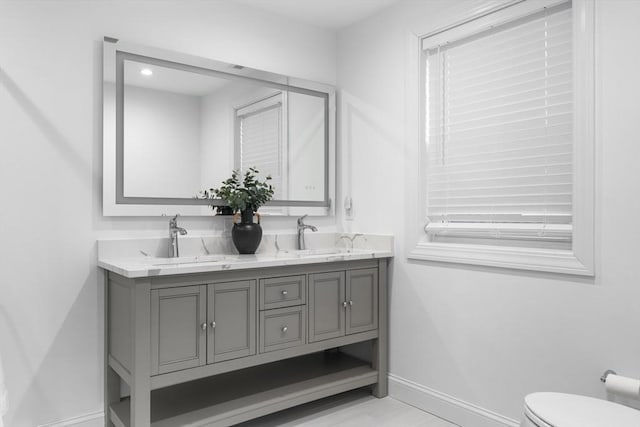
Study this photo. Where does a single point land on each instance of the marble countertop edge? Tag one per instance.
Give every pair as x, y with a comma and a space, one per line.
139, 267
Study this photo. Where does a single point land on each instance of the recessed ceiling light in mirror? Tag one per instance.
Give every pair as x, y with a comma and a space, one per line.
146, 72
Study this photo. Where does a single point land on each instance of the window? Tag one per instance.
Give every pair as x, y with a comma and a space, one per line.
499, 121
504, 141
261, 142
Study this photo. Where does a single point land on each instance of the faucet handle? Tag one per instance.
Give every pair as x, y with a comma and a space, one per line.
301, 219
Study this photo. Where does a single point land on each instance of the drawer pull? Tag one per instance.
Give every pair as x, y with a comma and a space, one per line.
284, 329
284, 293
204, 326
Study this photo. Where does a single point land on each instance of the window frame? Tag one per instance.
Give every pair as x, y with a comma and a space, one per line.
279, 100
580, 259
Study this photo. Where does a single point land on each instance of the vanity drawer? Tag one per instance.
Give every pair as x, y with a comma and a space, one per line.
287, 291
283, 328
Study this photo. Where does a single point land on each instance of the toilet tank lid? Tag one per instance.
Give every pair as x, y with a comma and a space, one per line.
571, 410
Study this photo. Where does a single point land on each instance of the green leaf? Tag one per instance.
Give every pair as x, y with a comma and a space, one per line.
252, 193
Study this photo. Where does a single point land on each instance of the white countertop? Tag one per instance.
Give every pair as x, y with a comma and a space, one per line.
148, 266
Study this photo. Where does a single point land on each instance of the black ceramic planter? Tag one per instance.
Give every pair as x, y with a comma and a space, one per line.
246, 234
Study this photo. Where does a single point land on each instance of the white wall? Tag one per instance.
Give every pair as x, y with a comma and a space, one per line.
162, 143
489, 336
51, 168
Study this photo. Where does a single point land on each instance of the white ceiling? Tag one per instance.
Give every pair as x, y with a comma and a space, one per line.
328, 14
171, 80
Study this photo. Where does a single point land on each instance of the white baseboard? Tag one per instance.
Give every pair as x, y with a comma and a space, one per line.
437, 403
94, 419
445, 406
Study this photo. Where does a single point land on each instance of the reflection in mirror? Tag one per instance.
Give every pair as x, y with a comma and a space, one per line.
260, 142
294, 158
170, 145
181, 128
306, 148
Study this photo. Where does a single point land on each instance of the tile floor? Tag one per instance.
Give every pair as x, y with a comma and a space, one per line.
353, 409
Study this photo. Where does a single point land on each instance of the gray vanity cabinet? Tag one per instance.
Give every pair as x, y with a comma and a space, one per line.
178, 328
195, 325
232, 320
326, 305
278, 292
218, 348
282, 328
362, 300
342, 303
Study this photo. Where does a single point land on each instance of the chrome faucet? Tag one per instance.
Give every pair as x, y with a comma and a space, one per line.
301, 227
174, 251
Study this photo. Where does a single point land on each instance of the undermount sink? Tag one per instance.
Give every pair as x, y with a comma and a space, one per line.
300, 253
187, 260
202, 259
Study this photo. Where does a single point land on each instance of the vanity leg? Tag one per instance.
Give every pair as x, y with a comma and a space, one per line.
111, 393
381, 345
141, 375
111, 379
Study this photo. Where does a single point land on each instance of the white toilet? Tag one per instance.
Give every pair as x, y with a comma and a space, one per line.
570, 410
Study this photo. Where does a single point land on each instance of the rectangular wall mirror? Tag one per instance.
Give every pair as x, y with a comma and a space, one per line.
176, 124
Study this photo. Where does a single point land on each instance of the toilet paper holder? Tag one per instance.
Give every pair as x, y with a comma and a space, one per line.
621, 386
604, 376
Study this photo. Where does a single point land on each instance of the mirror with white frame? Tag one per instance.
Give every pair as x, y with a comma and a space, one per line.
176, 124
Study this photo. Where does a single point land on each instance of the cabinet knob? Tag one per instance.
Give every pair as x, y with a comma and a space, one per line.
344, 304
204, 326
213, 324
284, 293
350, 303
285, 329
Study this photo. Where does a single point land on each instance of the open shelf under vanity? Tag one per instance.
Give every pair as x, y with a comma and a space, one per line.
238, 396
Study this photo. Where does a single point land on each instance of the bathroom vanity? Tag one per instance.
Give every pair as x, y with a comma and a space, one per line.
220, 341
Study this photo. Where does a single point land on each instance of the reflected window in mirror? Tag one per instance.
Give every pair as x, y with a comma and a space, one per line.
261, 141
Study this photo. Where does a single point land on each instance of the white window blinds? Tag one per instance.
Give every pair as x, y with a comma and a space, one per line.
261, 143
499, 130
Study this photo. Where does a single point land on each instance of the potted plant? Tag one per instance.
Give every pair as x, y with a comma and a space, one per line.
244, 198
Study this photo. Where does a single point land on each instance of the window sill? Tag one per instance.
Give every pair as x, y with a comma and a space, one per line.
527, 231
549, 260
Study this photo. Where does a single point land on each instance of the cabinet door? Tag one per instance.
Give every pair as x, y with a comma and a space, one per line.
362, 299
232, 320
326, 305
178, 323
